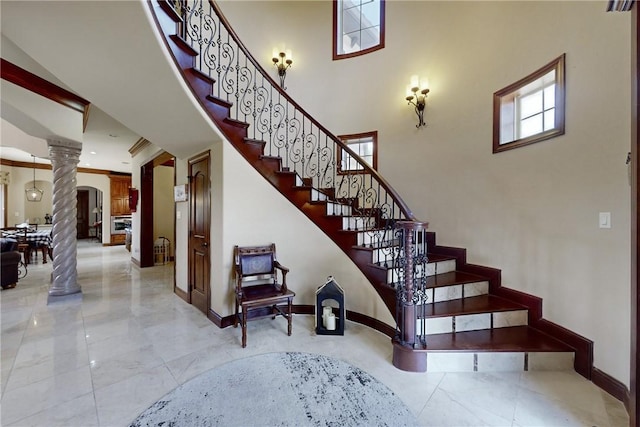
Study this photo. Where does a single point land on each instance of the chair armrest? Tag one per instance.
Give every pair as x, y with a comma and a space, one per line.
279, 266
284, 271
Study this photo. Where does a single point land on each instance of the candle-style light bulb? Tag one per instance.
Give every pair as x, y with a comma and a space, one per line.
424, 83
415, 81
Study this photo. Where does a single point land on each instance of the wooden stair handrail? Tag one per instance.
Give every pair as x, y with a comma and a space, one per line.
401, 203
374, 173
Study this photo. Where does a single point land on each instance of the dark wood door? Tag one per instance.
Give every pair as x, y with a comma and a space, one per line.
199, 226
82, 214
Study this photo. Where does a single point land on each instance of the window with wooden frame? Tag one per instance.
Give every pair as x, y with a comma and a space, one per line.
364, 145
358, 27
531, 109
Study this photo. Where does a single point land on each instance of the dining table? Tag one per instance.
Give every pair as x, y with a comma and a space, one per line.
37, 239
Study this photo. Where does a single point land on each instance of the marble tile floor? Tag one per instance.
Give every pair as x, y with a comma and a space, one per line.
103, 359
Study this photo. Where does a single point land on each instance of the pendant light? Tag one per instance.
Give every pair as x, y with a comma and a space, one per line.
34, 194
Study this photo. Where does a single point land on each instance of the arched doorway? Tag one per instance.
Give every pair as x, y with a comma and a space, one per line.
156, 190
89, 213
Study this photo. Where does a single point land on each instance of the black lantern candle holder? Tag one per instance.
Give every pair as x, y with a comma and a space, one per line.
330, 311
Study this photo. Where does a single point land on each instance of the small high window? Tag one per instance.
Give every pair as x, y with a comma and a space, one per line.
531, 109
358, 27
364, 145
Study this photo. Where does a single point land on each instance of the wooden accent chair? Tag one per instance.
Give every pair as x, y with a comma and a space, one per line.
258, 292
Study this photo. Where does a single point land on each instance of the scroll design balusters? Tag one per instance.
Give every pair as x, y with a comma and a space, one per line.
411, 267
304, 146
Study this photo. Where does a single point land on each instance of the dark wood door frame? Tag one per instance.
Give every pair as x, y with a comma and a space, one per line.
146, 206
82, 214
146, 215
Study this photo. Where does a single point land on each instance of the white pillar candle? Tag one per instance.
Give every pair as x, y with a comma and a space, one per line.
331, 322
325, 312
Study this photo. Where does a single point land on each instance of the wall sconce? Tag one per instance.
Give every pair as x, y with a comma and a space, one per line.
418, 97
282, 61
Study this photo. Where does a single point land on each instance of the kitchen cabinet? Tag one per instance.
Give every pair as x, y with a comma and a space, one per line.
120, 185
118, 239
120, 195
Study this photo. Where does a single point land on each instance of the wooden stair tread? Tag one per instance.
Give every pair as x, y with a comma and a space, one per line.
511, 339
438, 258
452, 278
471, 305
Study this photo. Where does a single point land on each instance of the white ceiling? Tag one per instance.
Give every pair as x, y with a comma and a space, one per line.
105, 144
110, 54
28, 119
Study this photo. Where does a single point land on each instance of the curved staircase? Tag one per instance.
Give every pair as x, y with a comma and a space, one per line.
465, 319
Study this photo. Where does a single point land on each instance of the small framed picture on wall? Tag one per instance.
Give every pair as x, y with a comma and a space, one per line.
181, 193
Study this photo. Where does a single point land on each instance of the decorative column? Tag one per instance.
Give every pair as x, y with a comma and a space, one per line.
64, 156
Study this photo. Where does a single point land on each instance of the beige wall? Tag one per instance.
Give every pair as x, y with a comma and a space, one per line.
247, 210
254, 213
533, 211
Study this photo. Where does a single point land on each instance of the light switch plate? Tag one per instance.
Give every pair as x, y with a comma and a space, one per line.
605, 220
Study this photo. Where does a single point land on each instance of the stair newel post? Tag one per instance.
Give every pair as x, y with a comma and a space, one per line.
407, 322
410, 292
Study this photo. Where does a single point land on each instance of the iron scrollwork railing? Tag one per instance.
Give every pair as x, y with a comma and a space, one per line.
304, 146
411, 265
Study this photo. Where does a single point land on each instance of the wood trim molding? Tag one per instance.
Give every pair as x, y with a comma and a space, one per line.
583, 362
181, 293
219, 321
372, 323
163, 159
18, 164
306, 309
31, 82
43, 166
611, 385
140, 145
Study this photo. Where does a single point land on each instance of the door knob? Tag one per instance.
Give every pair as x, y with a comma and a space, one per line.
205, 244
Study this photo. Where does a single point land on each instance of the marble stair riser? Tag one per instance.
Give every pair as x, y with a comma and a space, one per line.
452, 292
385, 254
432, 268
317, 196
473, 322
456, 361
358, 222
374, 237
338, 209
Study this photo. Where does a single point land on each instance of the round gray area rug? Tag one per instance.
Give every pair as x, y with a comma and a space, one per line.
280, 389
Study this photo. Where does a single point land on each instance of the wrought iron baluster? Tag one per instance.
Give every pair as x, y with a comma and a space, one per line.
412, 262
